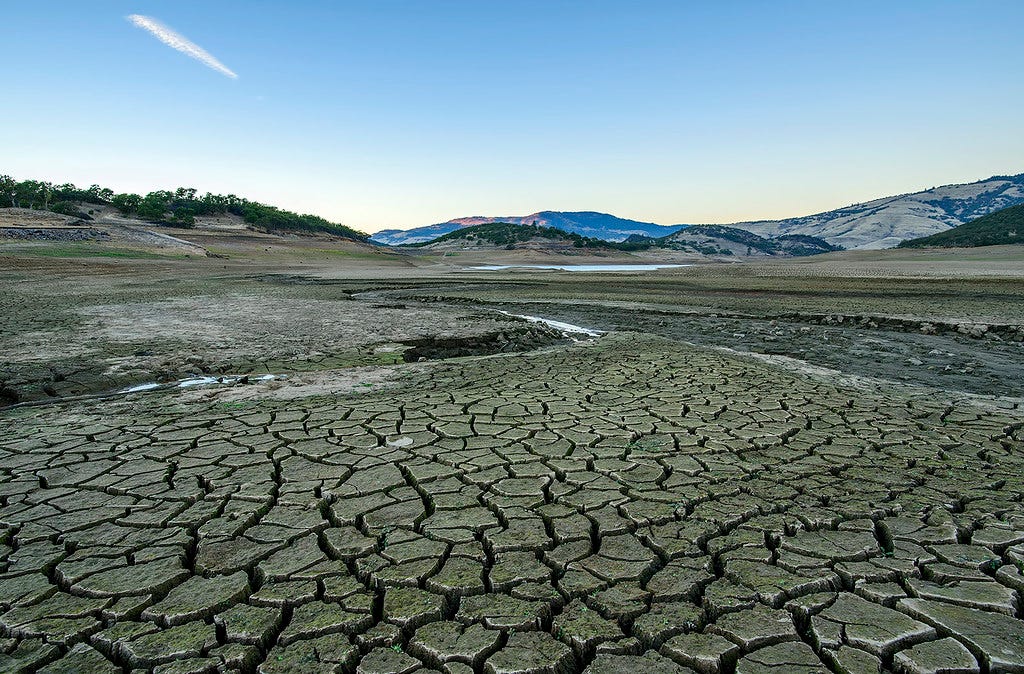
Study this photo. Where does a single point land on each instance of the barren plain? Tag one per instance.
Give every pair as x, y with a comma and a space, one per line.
803, 466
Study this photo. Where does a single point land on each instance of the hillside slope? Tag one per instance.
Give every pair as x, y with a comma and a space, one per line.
180, 208
884, 223
995, 229
512, 236
721, 240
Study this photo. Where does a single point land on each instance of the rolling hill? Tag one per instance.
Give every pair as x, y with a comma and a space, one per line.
513, 236
995, 229
721, 240
699, 240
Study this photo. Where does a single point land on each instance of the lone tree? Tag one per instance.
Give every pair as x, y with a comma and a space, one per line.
8, 189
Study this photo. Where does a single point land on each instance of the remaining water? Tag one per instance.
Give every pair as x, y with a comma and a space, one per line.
198, 381
578, 267
567, 328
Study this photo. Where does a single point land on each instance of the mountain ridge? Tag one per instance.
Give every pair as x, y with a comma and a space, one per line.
707, 241
590, 224
874, 224
886, 221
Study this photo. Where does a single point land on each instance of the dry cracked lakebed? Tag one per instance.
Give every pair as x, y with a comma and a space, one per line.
629, 504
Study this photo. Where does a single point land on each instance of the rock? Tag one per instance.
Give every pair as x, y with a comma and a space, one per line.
886, 594
986, 595
249, 624
706, 653
409, 607
289, 593
325, 655
459, 577
387, 661
649, 663
857, 622
348, 543
755, 628
997, 637
967, 556
724, 596
847, 660
531, 653
784, 658
28, 655
443, 642
190, 640
157, 576
680, 579
498, 611
624, 601
198, 598
833, 545
945, 656
997, 537
665, 620
81, 659
318, 619
584, 628
774, 585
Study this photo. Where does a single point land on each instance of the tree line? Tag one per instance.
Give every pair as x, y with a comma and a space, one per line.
163, 207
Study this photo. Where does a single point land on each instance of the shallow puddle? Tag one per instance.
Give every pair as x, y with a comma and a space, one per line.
577, 267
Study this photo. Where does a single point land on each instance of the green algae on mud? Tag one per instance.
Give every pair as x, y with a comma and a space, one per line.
626, 501
586, 505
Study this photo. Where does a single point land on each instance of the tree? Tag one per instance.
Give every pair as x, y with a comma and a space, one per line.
126, 203
184, 217
153, 206
185, 194
99, 195
66, 192
8, 189
26, 193
69, 208
45, 193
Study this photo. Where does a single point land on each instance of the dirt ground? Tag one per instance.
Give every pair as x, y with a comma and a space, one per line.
804, 466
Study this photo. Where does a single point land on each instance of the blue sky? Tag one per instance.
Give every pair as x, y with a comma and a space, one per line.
384, 113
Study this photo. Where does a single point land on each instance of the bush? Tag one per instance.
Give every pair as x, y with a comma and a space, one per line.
68, 208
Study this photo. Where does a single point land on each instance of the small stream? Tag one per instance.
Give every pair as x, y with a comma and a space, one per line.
568, 328
190, 382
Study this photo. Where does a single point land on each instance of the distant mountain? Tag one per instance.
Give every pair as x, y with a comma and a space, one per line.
718, 240
881, 223
884, 223
584, 223
699, 240
995, 229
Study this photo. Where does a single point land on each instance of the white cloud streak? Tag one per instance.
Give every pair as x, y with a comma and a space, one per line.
181, 43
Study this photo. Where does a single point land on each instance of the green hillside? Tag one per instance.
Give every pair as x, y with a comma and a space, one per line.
723, 240
163, 207
995, 229
509, 234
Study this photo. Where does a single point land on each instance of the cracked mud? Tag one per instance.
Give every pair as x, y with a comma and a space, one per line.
623, 504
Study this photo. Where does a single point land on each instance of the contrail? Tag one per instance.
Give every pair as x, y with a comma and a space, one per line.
181, 43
